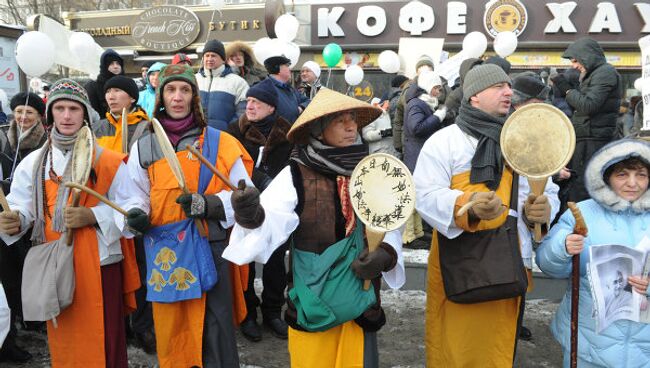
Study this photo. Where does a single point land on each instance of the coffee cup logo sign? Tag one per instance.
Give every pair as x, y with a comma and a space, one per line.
165, 28
505, 15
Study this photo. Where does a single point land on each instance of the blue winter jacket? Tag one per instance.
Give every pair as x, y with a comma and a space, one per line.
419, 125
147, 99
223, 95
289, 99
610, 220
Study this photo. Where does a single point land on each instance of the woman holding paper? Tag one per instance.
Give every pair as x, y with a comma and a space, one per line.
617, 213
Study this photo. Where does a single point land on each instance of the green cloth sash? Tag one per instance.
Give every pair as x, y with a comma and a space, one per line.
326, 293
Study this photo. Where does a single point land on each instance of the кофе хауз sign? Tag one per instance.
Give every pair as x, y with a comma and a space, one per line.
165, 28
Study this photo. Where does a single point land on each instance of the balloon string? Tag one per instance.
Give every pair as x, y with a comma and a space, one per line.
347, 93
207, 35
329, 73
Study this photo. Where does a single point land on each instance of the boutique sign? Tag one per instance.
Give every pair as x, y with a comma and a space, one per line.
534, 21
165, 28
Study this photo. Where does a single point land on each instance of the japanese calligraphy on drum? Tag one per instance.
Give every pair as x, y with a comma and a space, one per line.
382, 192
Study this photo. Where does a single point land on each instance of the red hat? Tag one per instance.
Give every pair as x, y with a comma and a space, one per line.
180, 57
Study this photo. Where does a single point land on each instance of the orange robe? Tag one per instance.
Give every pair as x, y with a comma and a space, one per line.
179, 325
78, 341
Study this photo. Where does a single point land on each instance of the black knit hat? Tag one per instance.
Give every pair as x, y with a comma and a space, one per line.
125, 84
527, 86
501, 62
398, 81
215, 46
265, 92
34, 101
273, 63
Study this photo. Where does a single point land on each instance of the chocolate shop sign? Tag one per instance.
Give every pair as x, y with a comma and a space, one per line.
535, 21
165, 28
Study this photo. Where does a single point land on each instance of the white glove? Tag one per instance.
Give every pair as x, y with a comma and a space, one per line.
441, 113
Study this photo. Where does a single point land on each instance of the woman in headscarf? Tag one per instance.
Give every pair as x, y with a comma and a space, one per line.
309, 201
617, 213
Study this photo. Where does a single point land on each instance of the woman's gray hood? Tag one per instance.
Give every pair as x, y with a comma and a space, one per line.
604, 158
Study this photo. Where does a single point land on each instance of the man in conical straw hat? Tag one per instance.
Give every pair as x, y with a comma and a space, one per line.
90, 332
309, 201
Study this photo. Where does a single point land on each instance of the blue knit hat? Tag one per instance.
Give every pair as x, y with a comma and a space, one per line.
265, 92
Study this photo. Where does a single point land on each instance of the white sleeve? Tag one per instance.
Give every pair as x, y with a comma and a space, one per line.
396, 277
279, 200
5, 314
237, 172
435, 200
20, 196
131, 189
525, 235
109, 231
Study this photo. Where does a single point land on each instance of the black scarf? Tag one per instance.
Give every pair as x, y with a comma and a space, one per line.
331, 160
265, 125
487, 163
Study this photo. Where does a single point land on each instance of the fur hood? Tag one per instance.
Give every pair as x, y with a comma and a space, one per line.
249, 56
607, 156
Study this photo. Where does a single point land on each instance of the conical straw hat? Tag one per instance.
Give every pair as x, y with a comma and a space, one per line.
327, 102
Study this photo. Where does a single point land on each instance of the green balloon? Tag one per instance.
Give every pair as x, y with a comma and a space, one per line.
332, 54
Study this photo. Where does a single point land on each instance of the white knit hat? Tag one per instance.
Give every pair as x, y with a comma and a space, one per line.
428, 79
311, 65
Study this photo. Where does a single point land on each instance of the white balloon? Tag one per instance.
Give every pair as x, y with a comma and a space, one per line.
217, 4
353, 75
34, 53
81, 45
286, 27
262, 49
389, 61
474, 44
505, 43
638, 84
292, 51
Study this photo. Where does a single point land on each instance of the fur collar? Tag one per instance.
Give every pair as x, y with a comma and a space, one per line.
277, 136
607, 156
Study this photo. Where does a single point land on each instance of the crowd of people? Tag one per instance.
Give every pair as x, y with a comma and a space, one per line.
176, 272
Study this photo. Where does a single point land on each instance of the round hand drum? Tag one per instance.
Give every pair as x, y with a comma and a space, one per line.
382, 193
537, 141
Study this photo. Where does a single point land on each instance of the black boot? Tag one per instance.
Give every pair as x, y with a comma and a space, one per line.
525, 334
146, 341
278, 327
13, 353
251, 330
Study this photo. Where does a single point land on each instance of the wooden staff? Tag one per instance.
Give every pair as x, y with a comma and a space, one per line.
3, 201
580, 228
98, 196
210, 166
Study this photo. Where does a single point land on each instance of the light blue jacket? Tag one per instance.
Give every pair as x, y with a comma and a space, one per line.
610, 220
147, 98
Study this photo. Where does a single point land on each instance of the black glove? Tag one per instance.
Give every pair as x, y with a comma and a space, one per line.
386, 133
137, 220
370, 265
200, 206
245, 202
562, 84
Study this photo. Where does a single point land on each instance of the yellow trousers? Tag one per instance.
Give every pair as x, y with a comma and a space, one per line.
338, 347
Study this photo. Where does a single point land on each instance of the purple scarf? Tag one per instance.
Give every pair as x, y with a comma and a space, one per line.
176, 128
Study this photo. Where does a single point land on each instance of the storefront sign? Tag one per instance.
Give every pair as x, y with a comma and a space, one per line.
621, 23
165, 28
